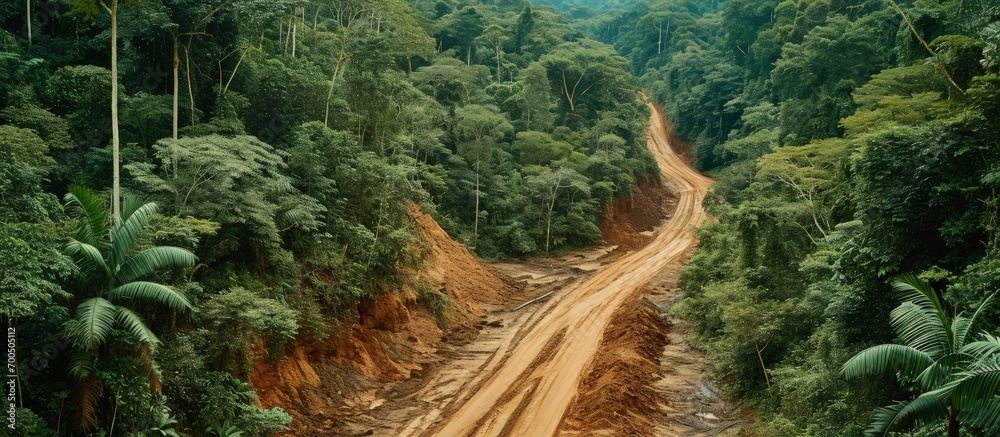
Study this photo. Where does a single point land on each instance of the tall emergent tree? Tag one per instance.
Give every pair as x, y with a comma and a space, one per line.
478, 128
108, 278
495, 36
959, 379
547, 187
89, 9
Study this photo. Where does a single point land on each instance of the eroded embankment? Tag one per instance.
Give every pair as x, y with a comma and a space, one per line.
588, 360
531, 391
388, 340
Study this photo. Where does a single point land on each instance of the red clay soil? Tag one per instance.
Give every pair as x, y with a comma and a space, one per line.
626, 220
387, 340
680, 146
531, 389
617, 395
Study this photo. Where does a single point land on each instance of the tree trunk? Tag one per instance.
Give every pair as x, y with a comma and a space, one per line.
233, 74
29, 21
288, 36
476, 226
187, 75
953, 422
116, 178
762, 366
498, 63
333, 81
569, 97
177, 65
548, 224
295, 28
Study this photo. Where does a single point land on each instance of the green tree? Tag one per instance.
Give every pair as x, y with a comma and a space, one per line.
110, 277
238, 182
479, 129
461, 28
451, 82
547, 188
959, 379
525, 26
576, 68
31, 261
495, 36
536, 99
539, 148
89, 9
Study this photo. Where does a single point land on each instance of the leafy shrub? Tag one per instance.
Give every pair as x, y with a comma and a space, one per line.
240, 319
435, 301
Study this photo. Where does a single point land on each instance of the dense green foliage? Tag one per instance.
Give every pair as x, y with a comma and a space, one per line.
957, 374
853, 140
275, 148
845, 156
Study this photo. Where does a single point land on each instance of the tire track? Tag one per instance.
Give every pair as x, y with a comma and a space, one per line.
571, 325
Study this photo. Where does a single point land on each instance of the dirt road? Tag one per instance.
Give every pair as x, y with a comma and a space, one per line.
527, 392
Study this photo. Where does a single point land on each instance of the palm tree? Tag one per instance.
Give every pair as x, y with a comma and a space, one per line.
110, 276
959, 379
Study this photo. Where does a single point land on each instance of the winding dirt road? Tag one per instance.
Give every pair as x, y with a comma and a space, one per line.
527, 391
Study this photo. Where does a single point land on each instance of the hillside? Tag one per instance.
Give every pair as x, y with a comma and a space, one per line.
443, 217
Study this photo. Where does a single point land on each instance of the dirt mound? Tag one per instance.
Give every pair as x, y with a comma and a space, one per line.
449, 268
616, 397
389, 338
627, 219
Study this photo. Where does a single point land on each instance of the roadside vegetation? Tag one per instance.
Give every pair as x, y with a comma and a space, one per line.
853, 142
241, 174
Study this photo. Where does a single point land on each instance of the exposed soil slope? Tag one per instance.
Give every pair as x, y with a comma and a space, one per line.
591, 357
320, 381
629, 223
529, 392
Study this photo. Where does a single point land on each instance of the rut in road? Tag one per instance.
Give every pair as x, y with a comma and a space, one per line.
528, 393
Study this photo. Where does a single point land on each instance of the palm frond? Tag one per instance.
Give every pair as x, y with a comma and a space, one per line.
942, 369
922, 410
986, 347
82, 363
90, 213
154, 259
887, 358
89, 260
984, 414
129, 207
136, 326
920, 293
86, 395
921, 329
972, 386
287, 218
125, 234
91, 325
153, 292
144, 353
962, 325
